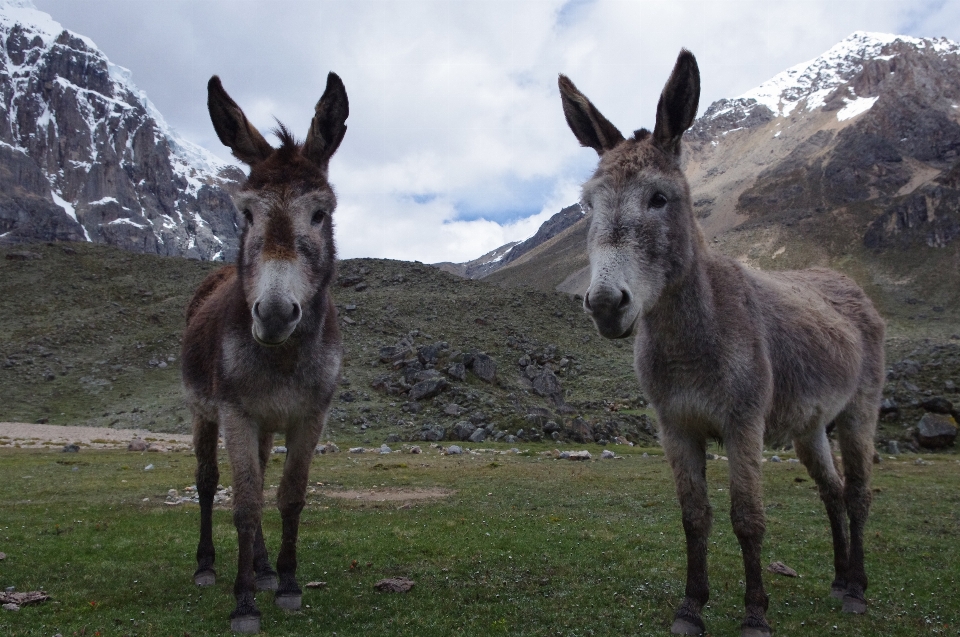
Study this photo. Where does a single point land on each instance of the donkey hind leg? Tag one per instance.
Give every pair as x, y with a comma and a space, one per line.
687, 458
814, 452
243, 446
855, 431
205, 434
266, 577
749, 525
291, 498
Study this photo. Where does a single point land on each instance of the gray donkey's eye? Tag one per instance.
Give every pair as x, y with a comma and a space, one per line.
658, 200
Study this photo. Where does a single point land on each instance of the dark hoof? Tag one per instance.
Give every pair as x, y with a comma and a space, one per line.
854, 605
267, 582
683, 626
289, 601
837, 592
246, 624
205, 578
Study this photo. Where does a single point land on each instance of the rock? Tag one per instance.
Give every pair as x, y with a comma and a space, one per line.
479, 435
478, 417
452, 409
547, 384
581, 431
893, 448
412, 407
463, 430
888, 406
149, 467
433, 433
580, 455
607, 455
564, 455
279, 449
427, 388
10, 606
781, 569
550, 427
393, 438
327, 448
775, 459
949, 386
137, 444
510, 439
3, 556
385, 449
395, 585
347, 397
484, 367
356, 450
937, 405
936, 431
531, 371
71, 449
428, 354
415, 449
524, 361
395, 353
454, 450
457, 371
316, 584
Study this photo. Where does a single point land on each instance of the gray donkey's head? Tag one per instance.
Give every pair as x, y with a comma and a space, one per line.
643, 235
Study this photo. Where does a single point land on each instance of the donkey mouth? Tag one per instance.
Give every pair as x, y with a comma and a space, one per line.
272, 341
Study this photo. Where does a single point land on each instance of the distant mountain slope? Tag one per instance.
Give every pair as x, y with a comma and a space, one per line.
849, 160
84, 155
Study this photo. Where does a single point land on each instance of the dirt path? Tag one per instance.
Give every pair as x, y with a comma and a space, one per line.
13, 434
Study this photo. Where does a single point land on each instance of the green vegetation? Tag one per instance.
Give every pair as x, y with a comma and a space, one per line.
525, 545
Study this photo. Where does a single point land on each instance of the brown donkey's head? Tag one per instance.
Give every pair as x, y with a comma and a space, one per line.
286, 247
643, 234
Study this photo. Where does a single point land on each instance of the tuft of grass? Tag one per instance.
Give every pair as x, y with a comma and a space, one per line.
525, 545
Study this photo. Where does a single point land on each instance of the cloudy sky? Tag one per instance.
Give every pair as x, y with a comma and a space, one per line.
456, 141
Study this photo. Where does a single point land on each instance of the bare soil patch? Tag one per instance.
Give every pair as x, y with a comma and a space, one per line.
38, 436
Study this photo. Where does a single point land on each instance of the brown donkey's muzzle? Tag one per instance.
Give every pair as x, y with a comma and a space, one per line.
274, 319
608, 307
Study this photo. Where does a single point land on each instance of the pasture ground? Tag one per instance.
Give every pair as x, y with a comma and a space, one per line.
513, 544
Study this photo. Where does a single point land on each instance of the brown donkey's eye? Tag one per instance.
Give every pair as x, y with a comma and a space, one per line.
248, 216
658, 200
318, 217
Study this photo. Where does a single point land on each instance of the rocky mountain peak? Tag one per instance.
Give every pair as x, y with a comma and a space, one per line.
85, 155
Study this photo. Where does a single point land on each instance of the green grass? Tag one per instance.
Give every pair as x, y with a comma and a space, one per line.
527, 545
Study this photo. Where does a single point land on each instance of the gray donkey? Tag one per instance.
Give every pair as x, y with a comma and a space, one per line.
261, 351
725, 352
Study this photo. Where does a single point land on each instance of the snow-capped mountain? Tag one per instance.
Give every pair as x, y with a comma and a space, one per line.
850, 160
85, 155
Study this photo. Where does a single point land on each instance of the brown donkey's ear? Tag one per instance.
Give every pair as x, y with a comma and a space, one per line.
591, 128
328, 126
232, 127
678, 104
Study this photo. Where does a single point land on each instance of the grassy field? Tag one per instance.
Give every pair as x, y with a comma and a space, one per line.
522, 545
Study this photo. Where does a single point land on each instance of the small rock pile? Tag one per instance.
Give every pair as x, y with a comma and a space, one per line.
224, 495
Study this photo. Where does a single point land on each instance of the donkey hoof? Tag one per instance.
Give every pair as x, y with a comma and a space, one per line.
682, 626
854, 605
289, 601
205, 578
247, 624
837, 592
267, 582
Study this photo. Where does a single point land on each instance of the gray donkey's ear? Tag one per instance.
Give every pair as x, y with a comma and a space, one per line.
328, 126
678, 104
232, 127
591, 128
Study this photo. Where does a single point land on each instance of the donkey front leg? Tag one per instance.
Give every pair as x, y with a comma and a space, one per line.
687, 457
291, 498
749, 524
242, 445
205, 435
266, 577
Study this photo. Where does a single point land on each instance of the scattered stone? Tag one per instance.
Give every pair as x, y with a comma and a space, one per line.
393, 438
510, 439
149, 467
484, 367
893, 448
581, 431
137, 444
889, 406
781, 569
328, 448
427, 388
22, 599
775, 459
454, 450
547, 384
457, 371
316, 584
551, 427
433, 433
71, 449
3, 556
428, 354
479, 435
394, 585
10, 606
607, 455
278, 449
463, 430
416, 449
936, 431
576, 455
357, 450
384, 449
452, 409
937, 405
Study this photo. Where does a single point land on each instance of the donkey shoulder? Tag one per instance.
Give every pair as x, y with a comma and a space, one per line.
213, 282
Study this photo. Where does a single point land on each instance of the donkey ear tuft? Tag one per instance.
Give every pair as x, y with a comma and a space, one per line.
232, 126
678, 104
329, 123
590, 127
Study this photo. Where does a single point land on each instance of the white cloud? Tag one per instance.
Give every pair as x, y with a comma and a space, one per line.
454, 106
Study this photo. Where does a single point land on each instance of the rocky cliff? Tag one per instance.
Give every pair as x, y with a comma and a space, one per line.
84, 155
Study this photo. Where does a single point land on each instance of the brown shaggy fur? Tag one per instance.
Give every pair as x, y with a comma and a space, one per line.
261, 351
728, 353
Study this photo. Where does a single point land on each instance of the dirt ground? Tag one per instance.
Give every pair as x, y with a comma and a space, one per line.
26, 435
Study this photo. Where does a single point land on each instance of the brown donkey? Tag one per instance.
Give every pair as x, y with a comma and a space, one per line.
728, 353
261, 352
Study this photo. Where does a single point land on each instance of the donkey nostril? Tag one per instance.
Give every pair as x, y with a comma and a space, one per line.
624, 299
256, 309
586, 302
295, 314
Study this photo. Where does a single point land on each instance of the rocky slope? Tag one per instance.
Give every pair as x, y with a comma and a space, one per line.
84, 155
849, 160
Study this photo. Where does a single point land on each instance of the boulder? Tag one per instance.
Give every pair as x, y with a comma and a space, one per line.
484, 367
137, 444
427, 388
463, 430
936, 431
479, 435
937, 405
581, 431
428, 354
433, 433
457, 371
547, 384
